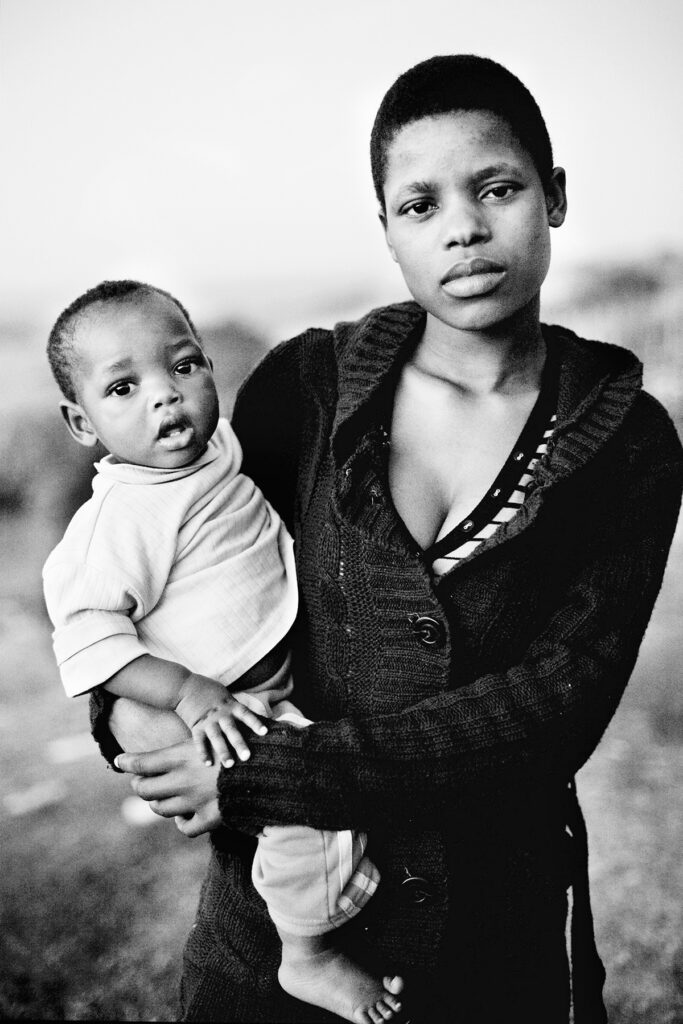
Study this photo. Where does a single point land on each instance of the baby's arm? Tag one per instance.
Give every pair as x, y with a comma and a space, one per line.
206, 707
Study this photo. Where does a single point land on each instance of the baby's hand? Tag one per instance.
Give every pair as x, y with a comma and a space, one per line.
217, 733
212, 713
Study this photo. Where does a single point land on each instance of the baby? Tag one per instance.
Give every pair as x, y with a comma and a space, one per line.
175, 585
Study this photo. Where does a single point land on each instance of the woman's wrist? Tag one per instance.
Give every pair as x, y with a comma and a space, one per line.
272, 788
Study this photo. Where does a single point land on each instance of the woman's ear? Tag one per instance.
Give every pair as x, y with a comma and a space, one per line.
556, 197
79, 426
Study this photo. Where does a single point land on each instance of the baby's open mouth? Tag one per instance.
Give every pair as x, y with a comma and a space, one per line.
173, 428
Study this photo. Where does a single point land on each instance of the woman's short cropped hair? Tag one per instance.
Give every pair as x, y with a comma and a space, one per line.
447, 84
61, 350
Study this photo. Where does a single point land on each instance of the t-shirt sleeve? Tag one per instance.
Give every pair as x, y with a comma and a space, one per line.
107, 573
94, 635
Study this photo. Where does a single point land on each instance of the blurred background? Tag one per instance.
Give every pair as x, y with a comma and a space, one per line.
220, 150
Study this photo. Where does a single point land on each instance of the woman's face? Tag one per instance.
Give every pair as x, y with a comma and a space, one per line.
467, 218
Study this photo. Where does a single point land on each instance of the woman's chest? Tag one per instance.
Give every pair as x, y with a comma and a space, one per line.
446, 451
375, 634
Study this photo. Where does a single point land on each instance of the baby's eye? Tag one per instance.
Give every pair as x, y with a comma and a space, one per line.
419, 208
504, 191
121, 388
187, 366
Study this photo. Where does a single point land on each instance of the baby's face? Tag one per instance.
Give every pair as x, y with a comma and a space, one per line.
144, 382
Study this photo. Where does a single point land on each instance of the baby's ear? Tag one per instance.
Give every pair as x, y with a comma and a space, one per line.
79, 425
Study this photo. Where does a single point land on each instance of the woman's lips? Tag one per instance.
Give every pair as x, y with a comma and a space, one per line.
468, 278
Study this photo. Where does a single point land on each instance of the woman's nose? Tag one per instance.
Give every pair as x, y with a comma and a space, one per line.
464, 224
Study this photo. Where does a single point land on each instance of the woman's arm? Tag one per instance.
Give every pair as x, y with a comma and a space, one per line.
541, 718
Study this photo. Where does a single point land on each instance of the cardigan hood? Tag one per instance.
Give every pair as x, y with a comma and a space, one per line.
598, 386
598, 382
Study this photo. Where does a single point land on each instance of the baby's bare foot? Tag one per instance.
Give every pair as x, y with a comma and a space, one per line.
329, 979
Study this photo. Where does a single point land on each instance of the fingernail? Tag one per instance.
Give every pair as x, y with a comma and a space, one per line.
116, 762
262, 731
245, 755
227, 762
208, 762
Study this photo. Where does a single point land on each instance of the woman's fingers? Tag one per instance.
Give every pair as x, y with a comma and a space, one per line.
176, 785
197, 824
192, 782
153, 762
172, 807
157, 787
190, 827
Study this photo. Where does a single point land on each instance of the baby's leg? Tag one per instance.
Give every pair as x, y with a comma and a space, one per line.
140, 727
314, 970
313, 882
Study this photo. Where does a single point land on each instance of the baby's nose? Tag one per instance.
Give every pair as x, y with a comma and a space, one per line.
165, 394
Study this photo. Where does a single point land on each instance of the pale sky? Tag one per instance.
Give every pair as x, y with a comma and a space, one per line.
220, 149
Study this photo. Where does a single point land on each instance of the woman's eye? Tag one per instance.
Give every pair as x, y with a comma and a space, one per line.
186, 366
501, 191
121, 389
419, 208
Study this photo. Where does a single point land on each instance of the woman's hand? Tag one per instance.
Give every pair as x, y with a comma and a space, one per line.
176, 786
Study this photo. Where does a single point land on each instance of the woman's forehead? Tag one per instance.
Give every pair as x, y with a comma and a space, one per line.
462, 140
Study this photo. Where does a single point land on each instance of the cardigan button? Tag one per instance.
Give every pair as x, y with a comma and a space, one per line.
429, 631
416, 890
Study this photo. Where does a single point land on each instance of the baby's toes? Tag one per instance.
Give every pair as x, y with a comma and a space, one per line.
392, 1003
393, 985
384, 1009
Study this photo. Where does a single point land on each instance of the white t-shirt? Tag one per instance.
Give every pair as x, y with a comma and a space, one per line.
190, 564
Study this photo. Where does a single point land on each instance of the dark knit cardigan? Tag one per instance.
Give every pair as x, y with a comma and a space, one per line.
450, 719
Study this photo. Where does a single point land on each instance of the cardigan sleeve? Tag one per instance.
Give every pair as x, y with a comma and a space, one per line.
267, 419
539, 719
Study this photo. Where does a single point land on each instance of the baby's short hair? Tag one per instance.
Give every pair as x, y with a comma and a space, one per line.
447, 84
61, 347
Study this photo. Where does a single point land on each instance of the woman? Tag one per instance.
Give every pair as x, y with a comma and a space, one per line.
482, 508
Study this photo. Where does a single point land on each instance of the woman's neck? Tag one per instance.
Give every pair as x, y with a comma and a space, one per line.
507, 359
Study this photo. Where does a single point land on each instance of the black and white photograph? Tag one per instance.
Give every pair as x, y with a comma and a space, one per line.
340, 476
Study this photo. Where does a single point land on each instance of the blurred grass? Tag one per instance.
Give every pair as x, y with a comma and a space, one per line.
94, 909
